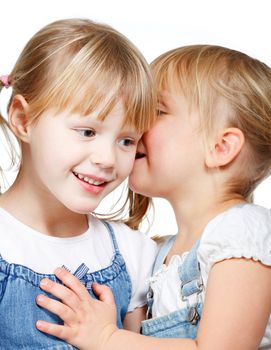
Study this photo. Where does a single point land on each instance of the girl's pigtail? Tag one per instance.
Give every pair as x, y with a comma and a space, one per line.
7, 135
138, 208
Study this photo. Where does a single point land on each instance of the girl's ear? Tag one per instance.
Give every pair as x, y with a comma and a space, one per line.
226, 149
18, 117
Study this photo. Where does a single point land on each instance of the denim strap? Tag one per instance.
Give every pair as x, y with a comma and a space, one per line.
163, 252
112, 235
189, 273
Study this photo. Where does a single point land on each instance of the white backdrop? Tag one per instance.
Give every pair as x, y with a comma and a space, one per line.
154, 26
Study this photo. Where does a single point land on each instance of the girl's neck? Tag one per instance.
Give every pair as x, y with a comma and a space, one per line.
48, 217
192, 218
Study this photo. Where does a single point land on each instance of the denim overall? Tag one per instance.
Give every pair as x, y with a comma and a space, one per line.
181, 323
19, 287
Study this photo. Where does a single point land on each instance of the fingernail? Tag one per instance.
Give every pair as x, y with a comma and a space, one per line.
40, 299
44, 282
39, 324
58, 271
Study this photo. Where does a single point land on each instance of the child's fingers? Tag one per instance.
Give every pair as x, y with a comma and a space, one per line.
59, 331
56, 307
72, 282
63, 293
104, 293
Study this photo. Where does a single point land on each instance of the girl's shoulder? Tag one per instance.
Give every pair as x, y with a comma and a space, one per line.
241, 231
241, 220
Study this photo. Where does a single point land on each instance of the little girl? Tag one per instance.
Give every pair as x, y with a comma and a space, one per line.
210, 148
82, 96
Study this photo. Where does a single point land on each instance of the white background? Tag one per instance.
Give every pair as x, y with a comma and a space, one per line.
154, 26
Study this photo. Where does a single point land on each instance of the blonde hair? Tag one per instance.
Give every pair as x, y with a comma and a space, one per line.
208, 75
81, 65
139, 207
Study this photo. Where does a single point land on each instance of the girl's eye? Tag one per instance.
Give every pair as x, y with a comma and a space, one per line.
127, 142
160, 112
86, 132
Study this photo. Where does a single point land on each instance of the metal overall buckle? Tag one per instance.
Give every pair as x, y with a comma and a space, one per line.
193, 315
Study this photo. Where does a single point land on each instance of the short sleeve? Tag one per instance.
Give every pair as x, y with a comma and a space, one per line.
139, 252
243, 231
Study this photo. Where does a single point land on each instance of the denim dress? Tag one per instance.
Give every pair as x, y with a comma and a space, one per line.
181, 323
19, 287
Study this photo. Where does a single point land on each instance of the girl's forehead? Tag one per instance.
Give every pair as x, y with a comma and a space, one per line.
164, 94
90, 102
109, 104
170, 96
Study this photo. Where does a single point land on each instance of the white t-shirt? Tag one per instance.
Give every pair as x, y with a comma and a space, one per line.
23, 245
241, 231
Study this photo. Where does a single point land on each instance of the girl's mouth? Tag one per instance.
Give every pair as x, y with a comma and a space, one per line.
89, 180
140, 155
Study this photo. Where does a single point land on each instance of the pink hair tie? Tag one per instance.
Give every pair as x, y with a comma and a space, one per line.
4, 79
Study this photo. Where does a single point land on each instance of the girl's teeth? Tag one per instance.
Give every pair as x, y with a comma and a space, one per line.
88, 180
97, 183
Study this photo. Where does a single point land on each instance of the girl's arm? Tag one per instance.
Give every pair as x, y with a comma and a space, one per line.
133, 319
235, 314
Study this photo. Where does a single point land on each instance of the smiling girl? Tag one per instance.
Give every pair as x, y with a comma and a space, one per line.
82, 96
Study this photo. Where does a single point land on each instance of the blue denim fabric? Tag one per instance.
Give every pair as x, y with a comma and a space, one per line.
19, 287
180, 323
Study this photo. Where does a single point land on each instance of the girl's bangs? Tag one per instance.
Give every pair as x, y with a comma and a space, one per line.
91, 87
175, 77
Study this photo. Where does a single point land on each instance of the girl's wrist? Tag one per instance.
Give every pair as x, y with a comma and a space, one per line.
108, 338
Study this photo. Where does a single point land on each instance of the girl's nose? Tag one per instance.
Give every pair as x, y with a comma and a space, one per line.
106, 158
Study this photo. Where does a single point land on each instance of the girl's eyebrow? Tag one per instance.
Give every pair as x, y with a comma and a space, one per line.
162, 100
162, 105
84, 120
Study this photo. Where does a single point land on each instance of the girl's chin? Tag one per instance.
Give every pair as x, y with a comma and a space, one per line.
83, 209
135, 186
131, 183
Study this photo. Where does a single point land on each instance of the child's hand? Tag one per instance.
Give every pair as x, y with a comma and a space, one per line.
88, 322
